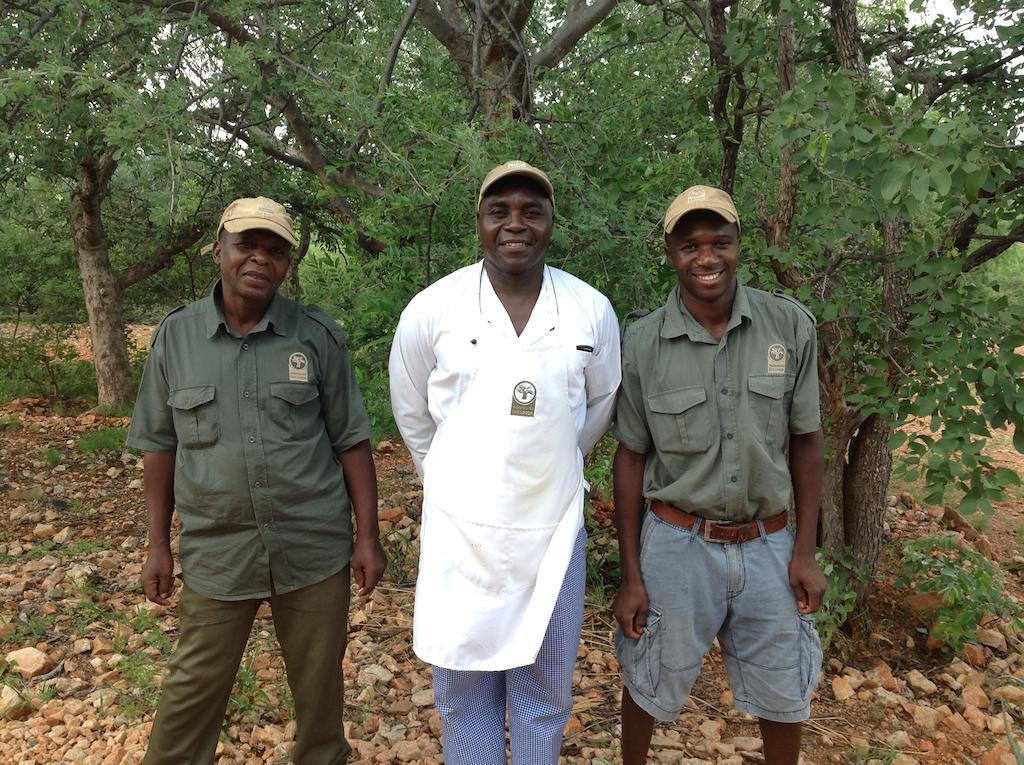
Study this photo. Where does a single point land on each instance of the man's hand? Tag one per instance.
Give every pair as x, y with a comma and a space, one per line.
630, 607
808, 583
158, 575
368, 564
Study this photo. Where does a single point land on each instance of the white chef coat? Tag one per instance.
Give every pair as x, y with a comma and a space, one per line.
432, 362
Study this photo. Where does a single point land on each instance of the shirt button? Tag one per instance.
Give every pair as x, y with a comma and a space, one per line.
729, 436
245, 346
266, 527
734, 479
257, 484
725, 391
252, 439
246, 394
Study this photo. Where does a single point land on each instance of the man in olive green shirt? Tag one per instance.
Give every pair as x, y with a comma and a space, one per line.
255, 432
717, 386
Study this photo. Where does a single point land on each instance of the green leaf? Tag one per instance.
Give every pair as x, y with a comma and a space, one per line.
892, 180
920, 185
941, 178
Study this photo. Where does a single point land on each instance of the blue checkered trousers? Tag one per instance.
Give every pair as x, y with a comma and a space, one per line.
537, 698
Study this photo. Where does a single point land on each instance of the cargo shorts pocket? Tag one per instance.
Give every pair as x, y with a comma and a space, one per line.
641, 658
811, 656
295, 409
770, 404
679, 420
194, 416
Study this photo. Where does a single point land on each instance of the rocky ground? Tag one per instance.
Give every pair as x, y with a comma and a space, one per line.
85, 653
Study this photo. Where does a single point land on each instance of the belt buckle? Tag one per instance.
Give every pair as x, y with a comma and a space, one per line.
707, 533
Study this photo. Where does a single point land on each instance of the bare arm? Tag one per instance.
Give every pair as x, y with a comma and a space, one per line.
807, 471
631, 602
158, 571
368, 558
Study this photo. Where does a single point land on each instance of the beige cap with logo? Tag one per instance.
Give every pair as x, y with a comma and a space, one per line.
257, 212
515, 167
701, 198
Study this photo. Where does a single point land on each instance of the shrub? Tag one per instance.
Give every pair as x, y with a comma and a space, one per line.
970, 585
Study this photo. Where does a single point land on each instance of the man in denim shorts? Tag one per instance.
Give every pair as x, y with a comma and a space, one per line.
718, 387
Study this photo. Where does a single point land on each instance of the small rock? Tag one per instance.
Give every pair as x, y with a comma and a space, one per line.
920, 683
900, 739
974, 696
841, 689
43, 531
1011, 693
29, 662
976, 718
926, 718
975, 655
745, 743
62, 536
881, 676
992, 638
423, 698
984, 547
10, 699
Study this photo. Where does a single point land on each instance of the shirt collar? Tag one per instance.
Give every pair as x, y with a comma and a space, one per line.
679, 321
274, 318
543, 317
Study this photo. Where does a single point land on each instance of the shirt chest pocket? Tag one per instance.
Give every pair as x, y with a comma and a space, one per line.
195, 417
680, 421
770, 402
295, 410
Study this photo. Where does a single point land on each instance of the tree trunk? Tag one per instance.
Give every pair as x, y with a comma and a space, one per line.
865, 484
100, 283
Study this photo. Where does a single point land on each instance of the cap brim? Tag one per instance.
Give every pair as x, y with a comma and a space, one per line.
533, 176
725, 212
238, 225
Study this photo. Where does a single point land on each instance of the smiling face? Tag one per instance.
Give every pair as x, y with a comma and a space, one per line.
704, 250
515, 222
253, 263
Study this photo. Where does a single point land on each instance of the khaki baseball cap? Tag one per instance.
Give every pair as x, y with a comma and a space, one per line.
701, 198
257, 212
515, 167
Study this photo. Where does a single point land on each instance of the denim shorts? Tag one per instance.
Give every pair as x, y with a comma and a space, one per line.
739, 593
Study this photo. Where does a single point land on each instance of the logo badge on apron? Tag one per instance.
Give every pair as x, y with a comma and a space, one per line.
298, 368
777, 359
524, 399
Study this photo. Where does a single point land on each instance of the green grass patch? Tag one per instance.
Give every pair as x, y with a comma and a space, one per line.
102, 439
52, 457
141, 697
9, 423
75, 549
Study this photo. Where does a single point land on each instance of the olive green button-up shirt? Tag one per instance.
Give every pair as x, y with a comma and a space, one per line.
713, 417
255, 423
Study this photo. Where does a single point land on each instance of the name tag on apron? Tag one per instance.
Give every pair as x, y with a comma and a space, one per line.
524, 399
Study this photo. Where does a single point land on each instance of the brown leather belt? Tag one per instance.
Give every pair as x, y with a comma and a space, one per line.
716, 531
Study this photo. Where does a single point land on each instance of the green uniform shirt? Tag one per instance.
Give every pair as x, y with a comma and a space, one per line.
255, 423
713, 417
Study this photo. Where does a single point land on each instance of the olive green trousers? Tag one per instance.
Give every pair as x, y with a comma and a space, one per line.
311, 626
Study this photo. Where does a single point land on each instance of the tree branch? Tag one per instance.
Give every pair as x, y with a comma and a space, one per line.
579, 19
161, 258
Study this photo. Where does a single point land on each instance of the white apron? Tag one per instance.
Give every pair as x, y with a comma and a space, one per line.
502, 506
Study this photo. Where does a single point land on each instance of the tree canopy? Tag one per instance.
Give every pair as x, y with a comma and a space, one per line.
876, 159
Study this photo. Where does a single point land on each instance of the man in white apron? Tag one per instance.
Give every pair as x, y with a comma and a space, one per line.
503, 375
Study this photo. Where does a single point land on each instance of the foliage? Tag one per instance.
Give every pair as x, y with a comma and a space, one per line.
38, 362
970, 585
102, 439
598, 467
845, 579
